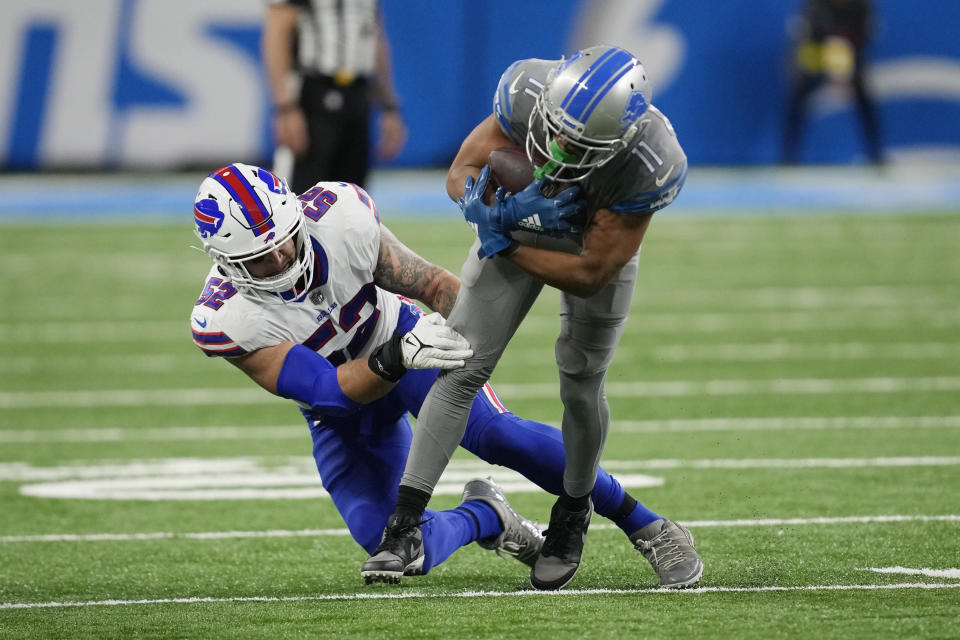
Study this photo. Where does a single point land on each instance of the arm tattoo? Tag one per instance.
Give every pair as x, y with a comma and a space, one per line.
402, 271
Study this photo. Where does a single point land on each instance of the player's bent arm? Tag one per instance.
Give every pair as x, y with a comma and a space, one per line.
473, 153
298, 373
402, 271
610, 242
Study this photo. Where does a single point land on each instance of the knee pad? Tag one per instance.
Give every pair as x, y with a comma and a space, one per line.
580, 358
463, 383
582, 394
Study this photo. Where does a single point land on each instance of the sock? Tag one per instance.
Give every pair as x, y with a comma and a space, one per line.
411, 502
486, 519
573, 504
446, 531
632, 515
536, 451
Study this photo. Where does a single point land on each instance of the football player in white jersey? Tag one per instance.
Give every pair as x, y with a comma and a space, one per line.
586, 121
310, 297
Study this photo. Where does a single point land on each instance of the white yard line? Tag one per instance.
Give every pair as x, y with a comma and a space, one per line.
315, 533
286, 470
295, 478
953, 574
158, 434
406, 595
784, 463
798, 423
889, 314
619, 389
770, 351
297, 432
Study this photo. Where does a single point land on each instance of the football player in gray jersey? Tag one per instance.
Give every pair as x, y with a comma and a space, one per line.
586, 121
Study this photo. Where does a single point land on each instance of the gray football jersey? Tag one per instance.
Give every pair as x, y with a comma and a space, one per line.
644, 177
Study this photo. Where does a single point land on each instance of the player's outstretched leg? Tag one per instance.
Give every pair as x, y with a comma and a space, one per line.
668, 547
559, 558
520, 538
400, 552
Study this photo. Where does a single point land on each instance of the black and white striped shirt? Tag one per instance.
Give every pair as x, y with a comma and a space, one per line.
336, 37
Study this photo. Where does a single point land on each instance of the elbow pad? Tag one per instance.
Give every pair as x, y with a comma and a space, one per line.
310, 379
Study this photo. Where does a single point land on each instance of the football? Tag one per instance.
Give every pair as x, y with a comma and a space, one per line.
510, 169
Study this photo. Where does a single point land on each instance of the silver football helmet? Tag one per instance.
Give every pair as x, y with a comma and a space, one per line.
586, 113
242, 213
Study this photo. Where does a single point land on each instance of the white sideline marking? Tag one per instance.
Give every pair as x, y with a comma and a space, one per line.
895, 313
56, 362
294, 477
297, 432
799, 351
630, 389
241, 478
781, 463
763, 320
485, 594
783, 424
153, 434
930, 573
311, 533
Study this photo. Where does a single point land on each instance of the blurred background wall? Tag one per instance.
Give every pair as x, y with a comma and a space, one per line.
115, 84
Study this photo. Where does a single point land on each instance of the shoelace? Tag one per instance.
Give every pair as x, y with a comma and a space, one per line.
393, 535
667, 556
563, 534
518, 548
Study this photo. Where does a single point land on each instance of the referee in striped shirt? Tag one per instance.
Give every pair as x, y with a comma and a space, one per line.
328, 65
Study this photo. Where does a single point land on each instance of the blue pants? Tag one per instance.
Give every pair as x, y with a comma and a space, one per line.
361, 458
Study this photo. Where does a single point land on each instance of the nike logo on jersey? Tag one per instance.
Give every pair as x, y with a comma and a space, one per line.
513, 85
201, 322
664, 177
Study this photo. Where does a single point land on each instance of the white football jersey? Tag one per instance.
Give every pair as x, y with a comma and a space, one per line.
344, 315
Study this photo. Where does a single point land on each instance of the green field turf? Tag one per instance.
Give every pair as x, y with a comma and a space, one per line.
789, 386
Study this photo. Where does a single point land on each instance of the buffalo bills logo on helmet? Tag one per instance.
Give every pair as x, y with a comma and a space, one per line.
273, 183
269, 238
636, 105
208, 217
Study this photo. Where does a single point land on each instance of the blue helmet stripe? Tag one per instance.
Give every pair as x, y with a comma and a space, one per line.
253, 209
586, 74
260, 213
594, 84
603, 91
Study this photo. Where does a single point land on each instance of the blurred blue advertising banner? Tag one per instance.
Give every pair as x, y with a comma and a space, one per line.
173, 83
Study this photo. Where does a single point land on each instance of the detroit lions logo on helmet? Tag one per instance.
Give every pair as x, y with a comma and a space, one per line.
208, 217
636, 105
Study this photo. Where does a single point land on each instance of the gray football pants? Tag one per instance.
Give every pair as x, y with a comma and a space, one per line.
495, 296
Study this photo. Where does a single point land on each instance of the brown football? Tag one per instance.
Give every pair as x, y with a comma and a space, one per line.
510, 169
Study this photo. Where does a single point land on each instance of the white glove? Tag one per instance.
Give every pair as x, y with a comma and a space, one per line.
433, 345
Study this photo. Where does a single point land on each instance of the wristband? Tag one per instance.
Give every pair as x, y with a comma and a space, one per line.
387, 360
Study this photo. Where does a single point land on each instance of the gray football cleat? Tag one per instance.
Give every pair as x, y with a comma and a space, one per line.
520, 538
400, 553
668, 547
562, 548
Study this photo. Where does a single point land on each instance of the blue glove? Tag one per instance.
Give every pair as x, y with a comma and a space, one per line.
493, 237
532, 211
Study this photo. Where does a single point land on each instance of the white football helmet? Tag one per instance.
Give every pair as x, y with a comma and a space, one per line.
587, 111
244, 212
